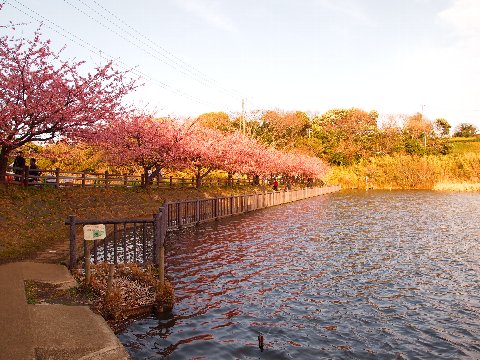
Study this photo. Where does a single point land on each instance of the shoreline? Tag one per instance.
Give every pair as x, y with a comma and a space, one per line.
440, 187
457, 187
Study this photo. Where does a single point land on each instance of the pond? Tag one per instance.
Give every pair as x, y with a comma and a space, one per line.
354, 274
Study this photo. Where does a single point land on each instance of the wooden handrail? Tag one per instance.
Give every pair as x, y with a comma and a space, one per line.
175, 215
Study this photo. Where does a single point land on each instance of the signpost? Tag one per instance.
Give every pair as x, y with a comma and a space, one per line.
92, 232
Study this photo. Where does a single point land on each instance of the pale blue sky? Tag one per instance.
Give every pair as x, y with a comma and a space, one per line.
311, 55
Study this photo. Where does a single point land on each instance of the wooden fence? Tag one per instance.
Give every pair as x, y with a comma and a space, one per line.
192, 212
142, 240
59, 178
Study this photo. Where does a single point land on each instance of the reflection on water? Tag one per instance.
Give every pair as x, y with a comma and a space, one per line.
348, 275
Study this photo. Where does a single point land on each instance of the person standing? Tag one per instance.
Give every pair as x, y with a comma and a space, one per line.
34, 171
19, 166
275, 185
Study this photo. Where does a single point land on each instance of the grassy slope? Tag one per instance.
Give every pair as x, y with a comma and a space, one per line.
465, 145
32, 219
458, 171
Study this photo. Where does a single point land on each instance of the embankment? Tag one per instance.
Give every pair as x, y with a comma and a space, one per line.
454, 172
32, 219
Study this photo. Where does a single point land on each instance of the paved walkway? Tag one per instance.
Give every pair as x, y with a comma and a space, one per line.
49, 331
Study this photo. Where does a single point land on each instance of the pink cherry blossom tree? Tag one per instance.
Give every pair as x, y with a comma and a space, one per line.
43, 97
142, 140
204, 149
208, 149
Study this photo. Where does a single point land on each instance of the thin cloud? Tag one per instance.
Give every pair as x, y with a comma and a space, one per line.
208, 11
347, 8
464, 17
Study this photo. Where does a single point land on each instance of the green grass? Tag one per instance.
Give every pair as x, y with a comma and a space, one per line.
465, 145
465, 139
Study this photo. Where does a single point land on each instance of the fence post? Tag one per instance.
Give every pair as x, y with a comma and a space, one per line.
161, 240
178, 215
161, 267
73, 242
115, 253
83, 178
165, 222
125, 180
215, 208
57, 178
111, 271
157, 236
26, 171
171, 182
197, 211
106, 178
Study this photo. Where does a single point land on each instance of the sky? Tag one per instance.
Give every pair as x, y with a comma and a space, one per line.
197, 56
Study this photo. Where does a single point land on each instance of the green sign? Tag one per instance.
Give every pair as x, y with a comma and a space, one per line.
94, 232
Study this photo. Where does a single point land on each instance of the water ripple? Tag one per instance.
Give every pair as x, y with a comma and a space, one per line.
349, 275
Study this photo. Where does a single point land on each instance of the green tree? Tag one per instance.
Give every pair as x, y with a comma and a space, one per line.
216, 120
465, 130
442, 127
347, 135
352, 121
282, 129
417, 126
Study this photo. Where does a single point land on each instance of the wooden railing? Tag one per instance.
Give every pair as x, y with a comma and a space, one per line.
60, 178
144, 238
140, 238
192, 212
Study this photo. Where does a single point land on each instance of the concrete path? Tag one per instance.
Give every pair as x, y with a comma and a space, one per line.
49, 331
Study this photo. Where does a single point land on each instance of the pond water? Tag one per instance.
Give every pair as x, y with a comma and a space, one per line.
377, 274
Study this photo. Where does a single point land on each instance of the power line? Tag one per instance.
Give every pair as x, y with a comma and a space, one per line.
80, 42
170, 60
168, 53
147, 48
119, 34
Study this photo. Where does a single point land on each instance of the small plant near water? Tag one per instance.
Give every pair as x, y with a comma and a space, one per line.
133, 293
164, 298
112, 304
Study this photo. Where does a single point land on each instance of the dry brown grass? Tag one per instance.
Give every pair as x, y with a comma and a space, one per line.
134, 292
411, 172
165, 297
457, 187
32, 219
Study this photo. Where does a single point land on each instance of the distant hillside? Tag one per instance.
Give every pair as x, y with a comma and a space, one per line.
465, 145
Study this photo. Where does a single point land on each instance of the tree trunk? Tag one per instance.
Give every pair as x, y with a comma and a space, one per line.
3, 165
146, 177
154, 174
199, 176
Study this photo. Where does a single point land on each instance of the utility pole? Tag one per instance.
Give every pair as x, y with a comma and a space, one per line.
244, 128
425, 132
